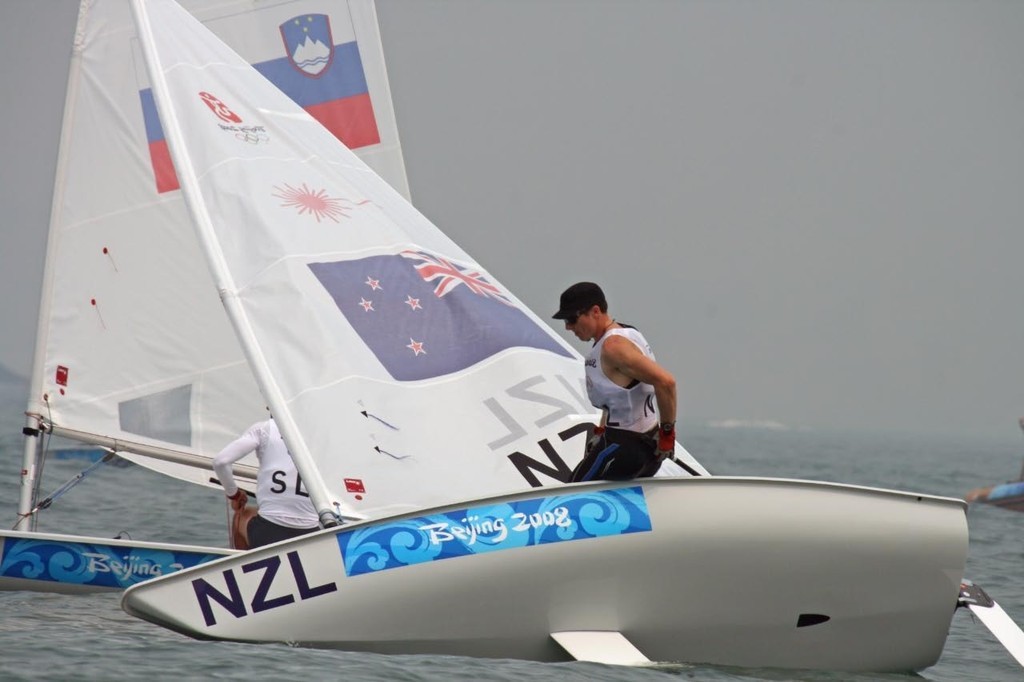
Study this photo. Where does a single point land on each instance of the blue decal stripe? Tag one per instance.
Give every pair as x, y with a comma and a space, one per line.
79, 563
479, 530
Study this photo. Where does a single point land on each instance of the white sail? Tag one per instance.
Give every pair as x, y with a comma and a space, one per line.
401, 373
133, 348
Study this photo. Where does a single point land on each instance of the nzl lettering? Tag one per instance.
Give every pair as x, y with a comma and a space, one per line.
537, 390
555, 467
235, 603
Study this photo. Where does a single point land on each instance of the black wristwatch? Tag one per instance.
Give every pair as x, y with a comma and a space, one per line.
667, 427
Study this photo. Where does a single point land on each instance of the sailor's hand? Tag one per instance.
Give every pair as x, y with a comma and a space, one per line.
666, 440
238, 500
595, 438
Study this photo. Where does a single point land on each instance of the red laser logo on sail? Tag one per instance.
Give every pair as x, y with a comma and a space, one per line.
315, 202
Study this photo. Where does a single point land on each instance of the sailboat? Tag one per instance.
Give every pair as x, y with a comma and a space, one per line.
431, 415
1009, 495
134, 353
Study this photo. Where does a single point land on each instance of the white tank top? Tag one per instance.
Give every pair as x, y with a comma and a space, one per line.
632, 408
279, 492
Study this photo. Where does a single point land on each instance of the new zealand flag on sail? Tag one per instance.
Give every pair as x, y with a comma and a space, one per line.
424, 316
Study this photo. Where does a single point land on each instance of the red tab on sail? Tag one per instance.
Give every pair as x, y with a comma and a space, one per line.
62, 375
354, 485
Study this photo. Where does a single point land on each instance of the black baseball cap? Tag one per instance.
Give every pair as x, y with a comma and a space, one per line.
578, 298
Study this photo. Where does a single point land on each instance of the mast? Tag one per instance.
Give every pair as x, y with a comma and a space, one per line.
29, 472
222, 277
31, 468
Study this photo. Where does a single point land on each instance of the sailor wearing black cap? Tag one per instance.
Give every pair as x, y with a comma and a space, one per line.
635, 393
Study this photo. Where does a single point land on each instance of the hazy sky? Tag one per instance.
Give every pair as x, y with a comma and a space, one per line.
812, 209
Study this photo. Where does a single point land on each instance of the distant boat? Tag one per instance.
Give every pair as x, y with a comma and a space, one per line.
1009, 495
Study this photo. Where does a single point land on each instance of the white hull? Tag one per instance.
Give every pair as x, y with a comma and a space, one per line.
733, 571
77, 564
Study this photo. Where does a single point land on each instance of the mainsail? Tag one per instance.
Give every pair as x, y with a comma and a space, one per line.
401, 373
133, 348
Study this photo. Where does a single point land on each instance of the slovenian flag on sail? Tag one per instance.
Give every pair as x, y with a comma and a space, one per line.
325, 79
424, 315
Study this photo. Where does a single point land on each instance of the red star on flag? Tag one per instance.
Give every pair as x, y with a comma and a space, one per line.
373, 283
367, 305
416, 346
413, 303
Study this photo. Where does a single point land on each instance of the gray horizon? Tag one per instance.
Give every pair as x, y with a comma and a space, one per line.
812, 209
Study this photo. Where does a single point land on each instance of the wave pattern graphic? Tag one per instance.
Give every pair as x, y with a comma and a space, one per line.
479, 530
78, 563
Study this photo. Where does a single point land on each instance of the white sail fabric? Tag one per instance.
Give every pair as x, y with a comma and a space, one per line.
405, 373
133, 343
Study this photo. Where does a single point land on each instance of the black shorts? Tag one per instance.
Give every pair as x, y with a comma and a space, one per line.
619, 455
263, 532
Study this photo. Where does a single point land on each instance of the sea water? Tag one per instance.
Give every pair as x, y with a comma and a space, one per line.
56, 637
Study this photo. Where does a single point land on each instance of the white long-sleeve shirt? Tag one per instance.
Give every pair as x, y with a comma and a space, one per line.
279, 491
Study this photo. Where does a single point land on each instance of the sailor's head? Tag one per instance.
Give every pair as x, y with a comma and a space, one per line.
580, 300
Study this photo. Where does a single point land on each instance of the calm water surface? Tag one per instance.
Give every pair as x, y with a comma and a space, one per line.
56, 637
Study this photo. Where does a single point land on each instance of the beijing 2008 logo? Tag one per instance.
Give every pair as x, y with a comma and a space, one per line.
219, 108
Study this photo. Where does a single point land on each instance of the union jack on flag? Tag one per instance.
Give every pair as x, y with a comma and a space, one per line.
424, 316
449, 275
